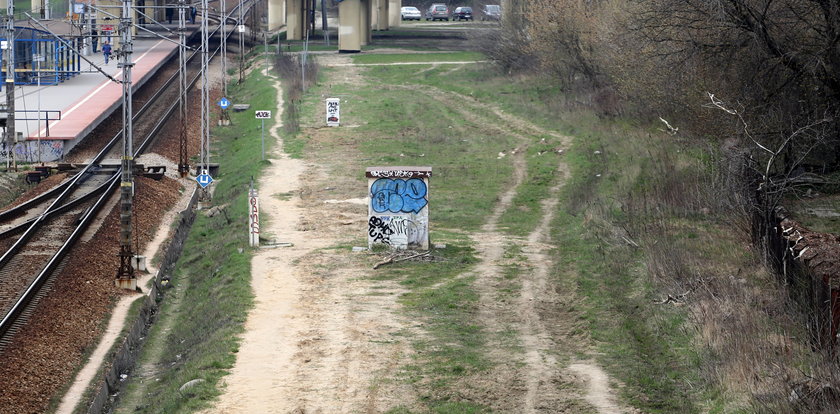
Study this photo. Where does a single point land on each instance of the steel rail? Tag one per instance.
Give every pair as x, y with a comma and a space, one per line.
67, 185
43, 276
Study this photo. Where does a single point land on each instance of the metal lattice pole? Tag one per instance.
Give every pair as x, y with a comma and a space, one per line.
183, 160
10, 85
125, 274
224, 49
205, 94
241, 41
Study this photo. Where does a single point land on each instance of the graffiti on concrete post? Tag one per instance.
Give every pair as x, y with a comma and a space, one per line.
379, 231
398, 195
398, 210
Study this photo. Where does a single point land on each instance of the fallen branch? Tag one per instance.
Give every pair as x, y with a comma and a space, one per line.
391, 260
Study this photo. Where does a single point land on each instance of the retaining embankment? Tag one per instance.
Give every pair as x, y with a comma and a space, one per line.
125, 357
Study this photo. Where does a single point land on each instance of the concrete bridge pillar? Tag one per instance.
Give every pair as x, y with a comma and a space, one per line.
382, 7
349, 26
276, 14
295, 19
365, 22
394, 17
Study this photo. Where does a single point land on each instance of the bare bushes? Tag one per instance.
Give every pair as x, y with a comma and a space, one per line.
297, 74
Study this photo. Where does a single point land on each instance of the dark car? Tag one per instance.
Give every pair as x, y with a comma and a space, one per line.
437, 12
491, 12
462, 13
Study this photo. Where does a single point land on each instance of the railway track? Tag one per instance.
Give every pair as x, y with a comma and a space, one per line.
39, 234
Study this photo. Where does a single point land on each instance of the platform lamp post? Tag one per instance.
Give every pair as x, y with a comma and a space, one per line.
10, 85
125, 274
183, 162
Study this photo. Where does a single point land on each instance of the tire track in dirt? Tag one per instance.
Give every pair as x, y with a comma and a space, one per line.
542, 373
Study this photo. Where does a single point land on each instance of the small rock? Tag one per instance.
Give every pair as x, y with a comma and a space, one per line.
189, 384
597, 152
439, 246
359, 249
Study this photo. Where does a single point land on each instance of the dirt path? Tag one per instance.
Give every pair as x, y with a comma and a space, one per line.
323, 339
318, 339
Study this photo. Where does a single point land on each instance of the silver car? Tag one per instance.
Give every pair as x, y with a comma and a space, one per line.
410, 13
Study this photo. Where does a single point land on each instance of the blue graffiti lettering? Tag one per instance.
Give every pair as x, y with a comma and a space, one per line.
398, 195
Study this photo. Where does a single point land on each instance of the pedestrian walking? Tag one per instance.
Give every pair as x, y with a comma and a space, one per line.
106, 51
169, 13
94, 39
192, 14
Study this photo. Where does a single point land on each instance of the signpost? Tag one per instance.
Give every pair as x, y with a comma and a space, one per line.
262, 116
253, 217
224, 103
333, 112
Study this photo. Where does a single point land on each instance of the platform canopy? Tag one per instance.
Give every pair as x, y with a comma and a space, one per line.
39, 56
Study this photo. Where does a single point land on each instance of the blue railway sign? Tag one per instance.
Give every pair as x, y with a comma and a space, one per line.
204, 180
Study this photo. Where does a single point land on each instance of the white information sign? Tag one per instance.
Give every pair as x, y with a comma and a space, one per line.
241, 28
262, 114
333, 112
253, 219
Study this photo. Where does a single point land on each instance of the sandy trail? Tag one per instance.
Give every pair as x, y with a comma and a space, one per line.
318, 337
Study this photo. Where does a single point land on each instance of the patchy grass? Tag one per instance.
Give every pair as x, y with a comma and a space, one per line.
202, 341
418, 57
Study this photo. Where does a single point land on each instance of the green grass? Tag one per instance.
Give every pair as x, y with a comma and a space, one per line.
400, 127
648, 348
443, 301
418, 57
202, 343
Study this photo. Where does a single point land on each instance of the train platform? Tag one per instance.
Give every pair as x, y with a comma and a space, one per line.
54, 118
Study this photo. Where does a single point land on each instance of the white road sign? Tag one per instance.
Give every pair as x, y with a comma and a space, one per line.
263, 114
333, 112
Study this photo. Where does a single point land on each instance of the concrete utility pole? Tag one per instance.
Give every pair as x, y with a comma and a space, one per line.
183, 161
10, 85
125, 274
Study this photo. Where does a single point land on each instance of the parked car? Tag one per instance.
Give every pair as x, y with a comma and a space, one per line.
437, 12
410, 13
491, 12
462, 13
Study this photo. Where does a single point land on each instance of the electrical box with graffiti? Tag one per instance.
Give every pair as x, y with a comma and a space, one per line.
398, 212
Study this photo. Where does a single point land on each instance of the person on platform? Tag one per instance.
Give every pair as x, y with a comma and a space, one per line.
94, 39
106, 51
192, 14
169, 13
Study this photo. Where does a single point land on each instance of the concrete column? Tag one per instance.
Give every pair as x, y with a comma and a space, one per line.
276, 14
349, 30
365, 22
394, 17
382, 14
294, 19
374, 15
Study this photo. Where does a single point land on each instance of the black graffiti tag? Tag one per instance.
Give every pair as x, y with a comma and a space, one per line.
379, 230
